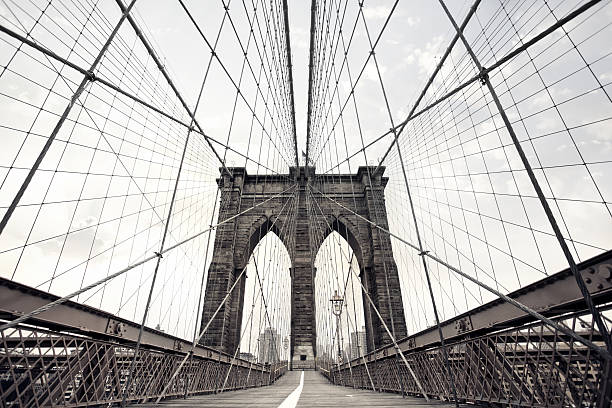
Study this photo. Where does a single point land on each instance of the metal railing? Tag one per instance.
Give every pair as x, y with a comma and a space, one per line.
502, 356
44, 368
530, 365
77, 355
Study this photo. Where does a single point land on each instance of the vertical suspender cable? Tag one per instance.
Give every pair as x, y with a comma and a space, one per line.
130, 374
311, 68
290, 79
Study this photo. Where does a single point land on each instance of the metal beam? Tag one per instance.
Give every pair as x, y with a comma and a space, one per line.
17, 299
551, 296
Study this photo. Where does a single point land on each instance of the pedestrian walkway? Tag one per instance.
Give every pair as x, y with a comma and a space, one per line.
315, 391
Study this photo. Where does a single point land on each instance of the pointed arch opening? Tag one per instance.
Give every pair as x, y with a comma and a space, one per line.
341, 334
265, 320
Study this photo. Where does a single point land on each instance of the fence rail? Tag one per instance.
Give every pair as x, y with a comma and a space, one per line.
81, 356
43, 368
500, 355
530, 365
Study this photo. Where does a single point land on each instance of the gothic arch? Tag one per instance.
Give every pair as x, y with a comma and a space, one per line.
359, 240
261, 210
256, 232
347, 230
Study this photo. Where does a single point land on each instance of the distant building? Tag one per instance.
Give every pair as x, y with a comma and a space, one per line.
359, 345
269, 346
323, 356
345, 357
347, 352
247, 356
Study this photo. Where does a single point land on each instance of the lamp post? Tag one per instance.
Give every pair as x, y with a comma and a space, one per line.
337, 301
286, 345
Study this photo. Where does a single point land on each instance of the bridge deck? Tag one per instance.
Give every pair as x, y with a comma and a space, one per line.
316, 392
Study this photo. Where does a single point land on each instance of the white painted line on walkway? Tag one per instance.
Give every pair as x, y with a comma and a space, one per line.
293, 398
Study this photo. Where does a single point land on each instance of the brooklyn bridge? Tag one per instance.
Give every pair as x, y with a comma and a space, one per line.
330, 203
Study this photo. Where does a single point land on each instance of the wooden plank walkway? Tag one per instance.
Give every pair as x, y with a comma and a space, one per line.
316, 392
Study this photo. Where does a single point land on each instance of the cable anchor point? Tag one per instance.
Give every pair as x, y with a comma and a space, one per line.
484, 76
423, 253
91, 76
158, 254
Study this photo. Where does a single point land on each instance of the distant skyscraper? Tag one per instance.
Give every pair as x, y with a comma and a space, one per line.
345, 357
247, 356
269, 346
358, 344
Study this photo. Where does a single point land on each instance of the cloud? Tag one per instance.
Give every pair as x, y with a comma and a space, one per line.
376, 12
382, 12
370, 71
409, 59
412, 21
300, 38
426, 57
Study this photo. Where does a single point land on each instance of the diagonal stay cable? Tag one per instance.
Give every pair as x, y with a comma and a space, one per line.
399, 128
87, 79
373, 305
603, 352
361, 71
164, 72
267, 316
209, 139
486, 70
223, 67
165, 234
64, 299
203, 331
551, 218
416, 225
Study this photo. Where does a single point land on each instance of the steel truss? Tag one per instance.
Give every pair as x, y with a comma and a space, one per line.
502, 356
81, 356
526, 366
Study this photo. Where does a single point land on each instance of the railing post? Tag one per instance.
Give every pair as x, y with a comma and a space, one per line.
605, 388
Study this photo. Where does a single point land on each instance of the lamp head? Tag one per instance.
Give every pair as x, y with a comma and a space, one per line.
337, 301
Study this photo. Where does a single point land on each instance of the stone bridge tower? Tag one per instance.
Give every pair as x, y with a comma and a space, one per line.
291, 206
